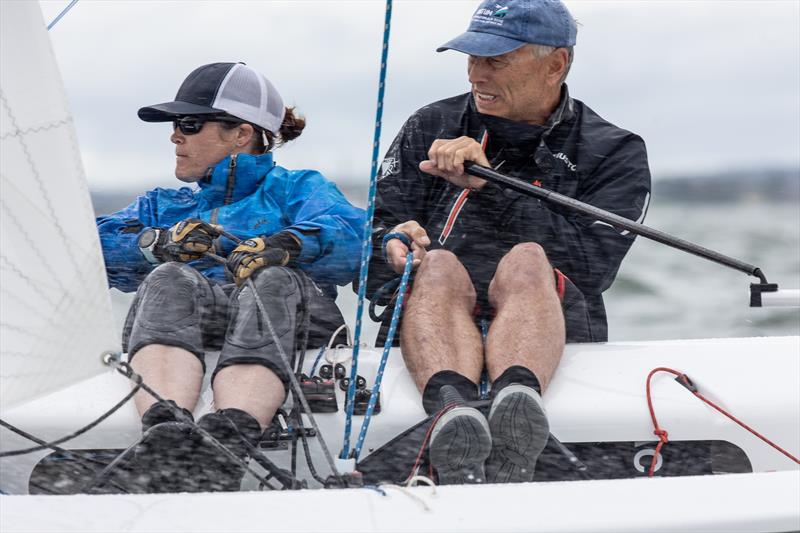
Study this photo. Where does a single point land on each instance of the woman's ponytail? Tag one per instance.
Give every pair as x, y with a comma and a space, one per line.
291, 128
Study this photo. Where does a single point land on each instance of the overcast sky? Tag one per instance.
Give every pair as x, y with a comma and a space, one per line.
709, 85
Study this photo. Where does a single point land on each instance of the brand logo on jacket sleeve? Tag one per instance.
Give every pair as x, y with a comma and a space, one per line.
388, 166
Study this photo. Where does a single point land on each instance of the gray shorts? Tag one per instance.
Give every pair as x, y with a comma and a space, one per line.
178, 306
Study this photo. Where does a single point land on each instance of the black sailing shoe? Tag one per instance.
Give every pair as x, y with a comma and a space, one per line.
519, 434
460, 442
213, 469
163, 458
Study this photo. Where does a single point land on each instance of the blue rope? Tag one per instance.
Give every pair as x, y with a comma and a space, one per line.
64, 12
316, 361
373, 398
483, 387
366, 247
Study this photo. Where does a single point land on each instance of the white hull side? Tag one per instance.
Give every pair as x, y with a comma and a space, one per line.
738, 502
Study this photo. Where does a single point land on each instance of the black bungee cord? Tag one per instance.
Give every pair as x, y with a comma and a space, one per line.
52, 444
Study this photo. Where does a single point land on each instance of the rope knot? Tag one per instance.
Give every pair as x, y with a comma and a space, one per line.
662, 435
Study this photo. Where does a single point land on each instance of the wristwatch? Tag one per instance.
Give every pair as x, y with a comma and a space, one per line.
148, 239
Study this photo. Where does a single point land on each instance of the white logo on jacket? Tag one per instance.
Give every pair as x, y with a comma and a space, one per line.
565, 159
388, 166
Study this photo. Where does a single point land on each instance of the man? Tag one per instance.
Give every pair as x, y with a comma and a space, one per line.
295, 238
487, 256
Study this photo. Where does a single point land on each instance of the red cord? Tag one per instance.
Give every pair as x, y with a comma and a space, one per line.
662, 435
425, 442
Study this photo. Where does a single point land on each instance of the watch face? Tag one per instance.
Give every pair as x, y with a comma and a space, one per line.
147, 238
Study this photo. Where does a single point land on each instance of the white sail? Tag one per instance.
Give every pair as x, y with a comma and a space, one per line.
55, 310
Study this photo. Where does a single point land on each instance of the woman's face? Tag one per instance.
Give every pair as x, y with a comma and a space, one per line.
195, 153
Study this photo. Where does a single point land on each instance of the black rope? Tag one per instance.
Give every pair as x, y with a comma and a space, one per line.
295, 385
103, 474
81, 431
309, 462
85, 461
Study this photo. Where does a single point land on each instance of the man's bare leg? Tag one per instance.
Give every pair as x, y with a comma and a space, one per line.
440, 340
528, 329
174, 373
254, 389
438, 331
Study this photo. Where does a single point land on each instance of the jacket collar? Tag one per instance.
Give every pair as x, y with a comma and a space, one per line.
235, 178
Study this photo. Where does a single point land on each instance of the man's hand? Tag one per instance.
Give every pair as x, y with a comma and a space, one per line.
446, 159
396, 251
260, 252
187, 240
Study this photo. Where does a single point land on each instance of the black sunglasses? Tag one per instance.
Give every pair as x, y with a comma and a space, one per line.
192, 124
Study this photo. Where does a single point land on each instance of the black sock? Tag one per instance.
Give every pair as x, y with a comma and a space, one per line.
162, 411
516, 374
431, 401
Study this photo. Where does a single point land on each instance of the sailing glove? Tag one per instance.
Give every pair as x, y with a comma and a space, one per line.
185, 241
276, 250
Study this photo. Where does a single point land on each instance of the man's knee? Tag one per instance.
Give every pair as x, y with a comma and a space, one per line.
524, 267
441, 271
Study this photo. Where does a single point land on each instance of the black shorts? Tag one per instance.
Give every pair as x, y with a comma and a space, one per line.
177, 306
573, 304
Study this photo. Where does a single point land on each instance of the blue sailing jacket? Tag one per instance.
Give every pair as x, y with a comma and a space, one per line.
249, 196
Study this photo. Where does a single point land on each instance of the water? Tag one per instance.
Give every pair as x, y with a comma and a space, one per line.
662, 293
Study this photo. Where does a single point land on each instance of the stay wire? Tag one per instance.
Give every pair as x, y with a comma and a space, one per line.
81, 431
61, 15
366, 245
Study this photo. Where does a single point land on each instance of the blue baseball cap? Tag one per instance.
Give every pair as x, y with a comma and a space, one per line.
499, 28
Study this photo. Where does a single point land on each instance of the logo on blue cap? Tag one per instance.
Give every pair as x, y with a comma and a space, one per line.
496, 29
491, 15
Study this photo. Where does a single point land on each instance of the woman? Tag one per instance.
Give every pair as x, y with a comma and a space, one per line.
300, 238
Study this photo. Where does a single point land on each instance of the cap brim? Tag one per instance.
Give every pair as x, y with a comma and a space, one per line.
482, 44
169, 110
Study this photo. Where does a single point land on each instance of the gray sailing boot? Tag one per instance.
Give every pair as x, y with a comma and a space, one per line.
519, 434
460, 442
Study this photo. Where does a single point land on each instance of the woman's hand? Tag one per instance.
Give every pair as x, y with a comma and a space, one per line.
187, 240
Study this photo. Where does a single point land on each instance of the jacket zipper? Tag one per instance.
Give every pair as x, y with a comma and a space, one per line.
228, 197
231, 181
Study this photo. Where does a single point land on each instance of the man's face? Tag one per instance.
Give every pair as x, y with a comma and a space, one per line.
518, 85
196, 152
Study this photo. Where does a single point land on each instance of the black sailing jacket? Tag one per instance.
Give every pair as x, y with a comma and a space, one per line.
577, 153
